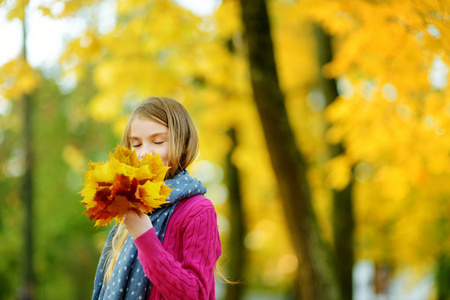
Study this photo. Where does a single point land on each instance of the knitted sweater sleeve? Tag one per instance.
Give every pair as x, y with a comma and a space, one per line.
193, 276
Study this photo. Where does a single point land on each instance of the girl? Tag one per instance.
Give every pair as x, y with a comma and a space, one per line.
171, 253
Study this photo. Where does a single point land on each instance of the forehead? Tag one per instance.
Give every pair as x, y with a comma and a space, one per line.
141, 127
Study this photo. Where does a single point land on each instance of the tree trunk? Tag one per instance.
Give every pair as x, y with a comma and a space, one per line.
442, 275
236, 250
27, 196
343, 220
343, 228
27, 188
316, 269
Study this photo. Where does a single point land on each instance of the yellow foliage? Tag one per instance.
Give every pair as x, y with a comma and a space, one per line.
391, 116
74, 157
105, 107
228, 19
394, 181
339, 172
18, 78
71, 7
119, 126
45, 11
18, 10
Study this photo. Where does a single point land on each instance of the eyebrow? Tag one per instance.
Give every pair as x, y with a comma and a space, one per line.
150, 136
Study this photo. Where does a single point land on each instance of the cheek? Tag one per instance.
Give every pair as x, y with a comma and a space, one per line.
165, 156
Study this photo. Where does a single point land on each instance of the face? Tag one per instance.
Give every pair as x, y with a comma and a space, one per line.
147, 136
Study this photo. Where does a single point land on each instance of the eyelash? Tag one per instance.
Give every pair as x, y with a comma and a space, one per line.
157, 143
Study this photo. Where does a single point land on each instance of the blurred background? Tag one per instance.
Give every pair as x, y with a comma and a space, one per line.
323, 128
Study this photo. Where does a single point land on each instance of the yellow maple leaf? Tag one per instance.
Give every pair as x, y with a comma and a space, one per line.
124, 183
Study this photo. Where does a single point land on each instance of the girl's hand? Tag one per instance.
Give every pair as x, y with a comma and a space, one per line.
137, 223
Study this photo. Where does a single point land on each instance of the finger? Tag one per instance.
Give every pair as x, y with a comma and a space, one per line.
132, 213
141, 214
131, 216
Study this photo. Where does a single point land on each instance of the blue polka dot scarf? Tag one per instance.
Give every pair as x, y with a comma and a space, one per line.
128, 280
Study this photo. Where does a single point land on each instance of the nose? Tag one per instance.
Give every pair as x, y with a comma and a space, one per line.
141, 155
145, 150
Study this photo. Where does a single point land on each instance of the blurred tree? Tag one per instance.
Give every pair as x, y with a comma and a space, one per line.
59, 245
317, 272
391, 64
236, 247
11, 211
19, 83
65, 246
342, 212
65, 249
442, 276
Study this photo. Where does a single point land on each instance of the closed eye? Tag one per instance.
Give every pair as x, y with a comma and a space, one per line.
135, 146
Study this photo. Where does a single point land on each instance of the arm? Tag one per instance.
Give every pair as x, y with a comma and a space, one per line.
193, 277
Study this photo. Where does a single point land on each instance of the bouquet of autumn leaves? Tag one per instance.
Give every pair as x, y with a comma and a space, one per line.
123, 183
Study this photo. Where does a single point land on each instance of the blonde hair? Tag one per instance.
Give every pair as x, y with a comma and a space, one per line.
183, 148
183, 140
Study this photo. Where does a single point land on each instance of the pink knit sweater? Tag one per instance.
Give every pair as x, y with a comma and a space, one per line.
183, 266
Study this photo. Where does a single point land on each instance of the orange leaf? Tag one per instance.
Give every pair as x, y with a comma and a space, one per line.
123, 185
